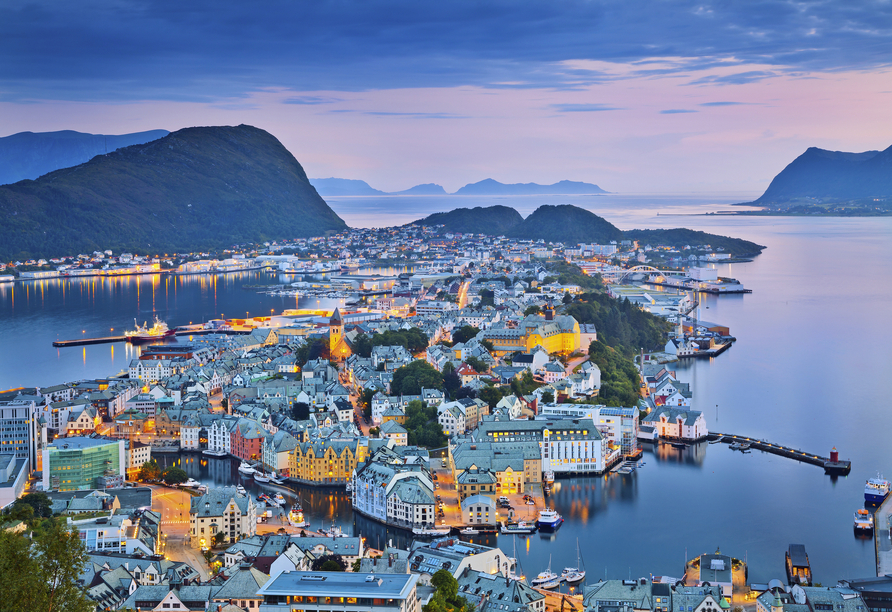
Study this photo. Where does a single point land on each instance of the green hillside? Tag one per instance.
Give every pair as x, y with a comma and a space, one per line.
195, 189
681, 237
567, 224
493, 220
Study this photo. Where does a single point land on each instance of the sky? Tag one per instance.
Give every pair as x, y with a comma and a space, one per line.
671, 96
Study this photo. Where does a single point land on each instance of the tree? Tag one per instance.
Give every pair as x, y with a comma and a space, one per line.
329, 563
478, 364
43, 574
355, 566
300, 411
365, 401
150, 470
486, 298
488, 345
39, 502
548, 397
219, 538
465, 333
174, 475
409, 379
567, 299
531, 310
445, 583
491, 395
464, 392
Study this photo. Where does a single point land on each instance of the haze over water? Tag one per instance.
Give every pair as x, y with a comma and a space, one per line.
807, 371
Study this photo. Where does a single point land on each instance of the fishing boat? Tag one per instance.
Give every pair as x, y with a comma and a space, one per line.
876, 490
245, 468
349, 486
574, 575
143, 333
798, 568
263, 497
260, 476
547, 579
279, 499
549, 519
863, 521
469, 531
518, 528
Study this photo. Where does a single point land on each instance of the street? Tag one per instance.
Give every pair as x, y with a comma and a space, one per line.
173, 505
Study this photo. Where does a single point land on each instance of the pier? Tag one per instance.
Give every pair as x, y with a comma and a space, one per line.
881, 537
177, 333
831, 465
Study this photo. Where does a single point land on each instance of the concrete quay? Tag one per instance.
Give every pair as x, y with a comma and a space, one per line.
882, 537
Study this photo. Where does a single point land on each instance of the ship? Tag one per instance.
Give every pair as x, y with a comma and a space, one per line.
863, 521
876, 490
549, 519
144, 333
519, 528
798, 568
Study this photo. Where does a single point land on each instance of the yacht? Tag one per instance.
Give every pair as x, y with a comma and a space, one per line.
240, 490
279, 499
245, 468
191, 483
518, 528
547, 579
549, 519
260, 476
876, 490
574, 575
469, 531
863, 521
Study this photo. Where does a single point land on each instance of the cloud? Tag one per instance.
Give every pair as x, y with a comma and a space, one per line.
413, 115
676, 111
210, 50
311, 100
583, 108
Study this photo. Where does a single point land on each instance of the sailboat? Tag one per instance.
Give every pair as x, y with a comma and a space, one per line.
575, 575
547, 579
515, 573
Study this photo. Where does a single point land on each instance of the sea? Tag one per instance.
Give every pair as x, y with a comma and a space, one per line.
808, 370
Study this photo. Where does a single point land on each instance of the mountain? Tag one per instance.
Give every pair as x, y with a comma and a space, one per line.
493, 187
425, 189
343, 187
567, 224
832, 176
493, 220
681, 237
195, 189
27, 155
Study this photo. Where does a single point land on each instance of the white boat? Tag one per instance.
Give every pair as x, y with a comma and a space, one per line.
431, 531
574, 575
547, 579
191, 483
214, 453
240, 490
349, 486
245, 468
469, 531
334, 532
276, 479
549, 477
260, 477
518, 528
549, 519
876, 490
279, 499
863, 520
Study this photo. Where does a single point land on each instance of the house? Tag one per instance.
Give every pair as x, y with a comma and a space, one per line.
677, 423
221, 510
392, 430
478, 510
451, 418
474, 481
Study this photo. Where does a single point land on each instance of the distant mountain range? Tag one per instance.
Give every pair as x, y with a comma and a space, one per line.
28, 155
573, 225
832, 176
352, 187
195, 189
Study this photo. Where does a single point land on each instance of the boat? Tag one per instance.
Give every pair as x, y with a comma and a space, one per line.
863, 521
279, 498
214, 453
574, 575
349, 486
518, 528
876, 490
260, 476
334, 532
431, 531
276, 479
191, 483
469, 531
144, 333
549, 477
798, 568
547, 579
245, 468
263, 497
679, 445
240, 490
549, 519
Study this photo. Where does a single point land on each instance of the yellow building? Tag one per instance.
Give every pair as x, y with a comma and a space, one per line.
556, 334
338, 348
326, 462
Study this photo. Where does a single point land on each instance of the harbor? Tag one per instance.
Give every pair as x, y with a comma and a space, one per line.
832, 465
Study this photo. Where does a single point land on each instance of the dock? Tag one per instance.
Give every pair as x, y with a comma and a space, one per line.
830, 466
881, 537
89, 341
178, 332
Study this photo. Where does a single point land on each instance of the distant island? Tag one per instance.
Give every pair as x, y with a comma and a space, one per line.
28, 155
831, 182
195, 189
486, 187
568, 224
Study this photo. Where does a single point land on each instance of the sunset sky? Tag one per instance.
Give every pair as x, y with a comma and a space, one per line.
673, 97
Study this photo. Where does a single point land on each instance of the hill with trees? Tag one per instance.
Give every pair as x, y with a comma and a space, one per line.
493, 220
566, 224
195, 189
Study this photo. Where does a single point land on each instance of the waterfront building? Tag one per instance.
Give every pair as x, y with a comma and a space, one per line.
473, 481
73, 464
478, 510
837, 598
277, 450
340, 592
455, 556
221, 510
645, 595
875, 591
324, 462
492, 593
677, 423
617, 425
246, 439
515, 464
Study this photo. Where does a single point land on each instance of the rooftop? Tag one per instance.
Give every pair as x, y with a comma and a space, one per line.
339, 584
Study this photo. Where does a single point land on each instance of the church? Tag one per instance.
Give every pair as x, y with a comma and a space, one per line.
338, 349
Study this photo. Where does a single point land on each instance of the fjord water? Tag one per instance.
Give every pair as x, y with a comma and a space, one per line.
809, 370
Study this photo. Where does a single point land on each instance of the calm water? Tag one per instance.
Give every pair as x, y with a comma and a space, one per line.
808, 370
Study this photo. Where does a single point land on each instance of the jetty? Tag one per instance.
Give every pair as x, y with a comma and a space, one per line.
831, 465
881, 537
178, 332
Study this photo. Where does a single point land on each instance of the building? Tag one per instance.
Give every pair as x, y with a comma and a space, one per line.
137, 455
120, 533
677, 423
478, 510
21, 432
221, 510
492, 593
13, 478
340, 592
875, 591
806, 599
556, 334
73, 464
474, 480
338, 349
455, 555
392, 430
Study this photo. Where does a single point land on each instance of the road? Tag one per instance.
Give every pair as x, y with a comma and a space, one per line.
571, 365
463, 295
173, 504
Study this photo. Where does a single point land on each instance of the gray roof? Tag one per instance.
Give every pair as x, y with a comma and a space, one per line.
243, 584
215, 501
341, 584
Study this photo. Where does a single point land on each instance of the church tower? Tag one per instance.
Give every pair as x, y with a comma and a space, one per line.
335, 334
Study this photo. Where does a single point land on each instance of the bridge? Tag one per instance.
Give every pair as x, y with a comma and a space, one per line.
619, 275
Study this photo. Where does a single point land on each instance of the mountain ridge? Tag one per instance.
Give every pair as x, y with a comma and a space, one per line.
355, 187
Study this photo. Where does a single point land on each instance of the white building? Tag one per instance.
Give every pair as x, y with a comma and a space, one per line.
221, 510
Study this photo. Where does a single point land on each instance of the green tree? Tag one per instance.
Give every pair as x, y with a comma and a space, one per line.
39, 502
219, 539
478, 364
531, 310
547, 397
445, 583
150, 470
491, 395
365, 401
355, 566
486, 298
411, 378
174, 475
329, 563
300, 411
43, 575
465, 333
